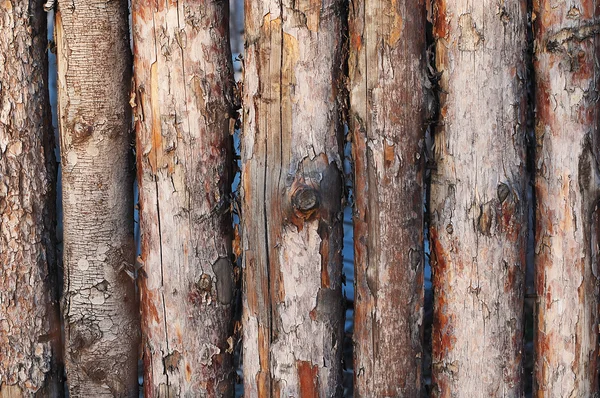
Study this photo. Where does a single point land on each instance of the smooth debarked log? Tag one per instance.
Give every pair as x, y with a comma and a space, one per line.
184, 107
387, 124
100, 310
292, 198
29, 313
567, 191
478, 199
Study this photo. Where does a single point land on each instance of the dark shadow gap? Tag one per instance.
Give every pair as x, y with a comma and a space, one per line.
53, 97
530, 297
348, 274
431, 97
236, 40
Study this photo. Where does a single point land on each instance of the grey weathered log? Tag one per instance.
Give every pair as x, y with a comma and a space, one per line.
184, 106
567, 192
30, 349
387, 123
292, 197
100, 307
478, 198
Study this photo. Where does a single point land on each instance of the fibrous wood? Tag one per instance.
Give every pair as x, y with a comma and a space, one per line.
29, 327
99, 306
292, 197
478, 198
184, 109
387, 122
567, 190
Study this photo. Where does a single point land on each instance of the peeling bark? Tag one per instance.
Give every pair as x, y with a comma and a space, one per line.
478, 199
100, 306
184, 108
387, 123
29, 313
567, 187
292, 198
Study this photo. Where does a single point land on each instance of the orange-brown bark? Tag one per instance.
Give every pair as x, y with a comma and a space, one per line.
387, 123
567, 189
292, 196
478, 199
183, 99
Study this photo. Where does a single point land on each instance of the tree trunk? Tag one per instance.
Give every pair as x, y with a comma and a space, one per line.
478, 199
100, 307
184, 93
29, 317
387, 124
567, 193
292, 198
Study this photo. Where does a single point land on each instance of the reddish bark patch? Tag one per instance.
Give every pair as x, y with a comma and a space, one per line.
142, 11
147, 306
262, 384
443, 338
356, 41
188, 372
313, 314
263, 348
388, 155
308, 375
441, 25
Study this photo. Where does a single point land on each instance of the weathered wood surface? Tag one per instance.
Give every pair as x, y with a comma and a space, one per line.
478, 198
292, 197
387, 124
567, 186
29, 324
184, 106
100, 307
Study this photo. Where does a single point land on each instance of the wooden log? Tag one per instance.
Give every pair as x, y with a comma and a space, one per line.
100, 308
30, 349
292, 198
184, 108
387, 124
567, 188
478, 199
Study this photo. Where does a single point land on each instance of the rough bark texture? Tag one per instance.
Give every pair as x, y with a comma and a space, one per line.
100, 307
387, 124
184, 96
29, 324
292, 196
478, 199
567, 192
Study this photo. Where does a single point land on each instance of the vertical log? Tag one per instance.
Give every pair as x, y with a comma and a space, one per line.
567, 191
29, 324
100, 307
478, 199
387, 123
184, 91
292, 196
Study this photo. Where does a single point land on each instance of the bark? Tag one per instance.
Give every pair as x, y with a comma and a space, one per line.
184, 95
292, 196
478, 199
387, 124
100, 307
29, 317
567, 192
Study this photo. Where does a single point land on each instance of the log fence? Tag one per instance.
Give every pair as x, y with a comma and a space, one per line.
438, 101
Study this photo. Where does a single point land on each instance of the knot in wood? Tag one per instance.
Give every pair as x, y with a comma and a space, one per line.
81, 132
305, 199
